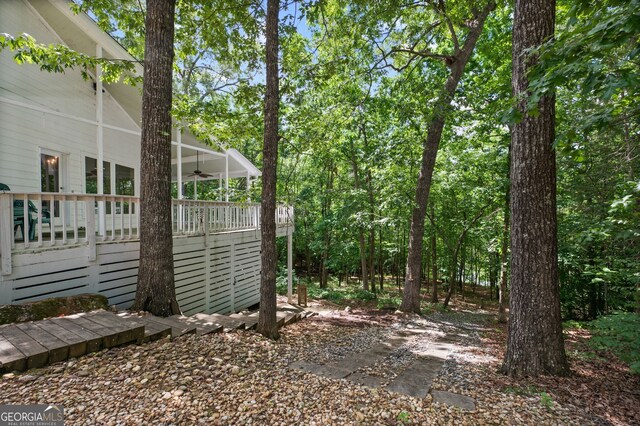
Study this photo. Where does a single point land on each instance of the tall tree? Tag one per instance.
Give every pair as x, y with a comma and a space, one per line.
156, 292
267, 325
502, 295
535, 344
456, 64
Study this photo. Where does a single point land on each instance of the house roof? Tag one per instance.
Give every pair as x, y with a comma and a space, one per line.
81, 33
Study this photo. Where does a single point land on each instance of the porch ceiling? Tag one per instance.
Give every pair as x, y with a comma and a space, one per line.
210, 162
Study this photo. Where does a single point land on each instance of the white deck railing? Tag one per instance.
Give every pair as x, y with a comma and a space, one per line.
193, 217
61, 220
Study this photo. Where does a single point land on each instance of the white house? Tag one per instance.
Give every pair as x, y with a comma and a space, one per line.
68, 226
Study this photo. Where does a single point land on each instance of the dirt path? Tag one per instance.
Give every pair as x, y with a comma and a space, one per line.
242, 379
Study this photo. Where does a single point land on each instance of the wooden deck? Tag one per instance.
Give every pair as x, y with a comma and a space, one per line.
39, 343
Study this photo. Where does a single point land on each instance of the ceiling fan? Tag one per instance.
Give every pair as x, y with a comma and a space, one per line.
197, 173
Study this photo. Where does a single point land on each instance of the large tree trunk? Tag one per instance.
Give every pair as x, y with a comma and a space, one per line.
411, 293
326, 230
267, 325
535, 344
361, 237
156, 291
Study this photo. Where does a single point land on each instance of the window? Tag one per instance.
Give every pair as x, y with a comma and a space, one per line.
124, 182
91, 176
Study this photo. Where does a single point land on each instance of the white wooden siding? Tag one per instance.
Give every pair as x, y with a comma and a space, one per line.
220, 276
24, 131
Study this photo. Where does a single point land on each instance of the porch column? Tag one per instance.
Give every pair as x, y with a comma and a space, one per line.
226, 176
195, 187
289, 266
100, 143
179, 172
248, 187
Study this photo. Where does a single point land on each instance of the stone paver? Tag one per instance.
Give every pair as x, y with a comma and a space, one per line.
416, 379
456, 400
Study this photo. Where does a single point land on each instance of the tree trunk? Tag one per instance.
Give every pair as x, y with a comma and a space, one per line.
535, 344
452, 279
463, 257
434, 268
267, 325
380, 262
411, 293
363, 259
502, 297
156, 291
326, 231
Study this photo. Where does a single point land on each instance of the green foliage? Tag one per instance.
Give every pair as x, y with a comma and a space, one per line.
403, 417
546, 401
58, 57
620, 334
531, 390
355, 104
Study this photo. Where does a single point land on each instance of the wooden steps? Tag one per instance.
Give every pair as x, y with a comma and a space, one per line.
228, 324
39, 343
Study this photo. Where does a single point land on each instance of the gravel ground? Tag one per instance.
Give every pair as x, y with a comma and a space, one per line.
242, 379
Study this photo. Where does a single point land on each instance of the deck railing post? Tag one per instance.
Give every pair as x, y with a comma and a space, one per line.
205, 212
6, 232
91, 228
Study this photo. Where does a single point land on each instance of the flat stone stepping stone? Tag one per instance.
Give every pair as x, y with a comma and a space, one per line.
454, 399
325, 370
417, 378
365, 379
353, 362
437, 349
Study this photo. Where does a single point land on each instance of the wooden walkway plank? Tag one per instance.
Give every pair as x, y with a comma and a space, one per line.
202, 326
78, 326
177, 328
58, 350
125, 331
227, 323
109, 336
250, 321
152, 330
77, 344
36, 354
11, 358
